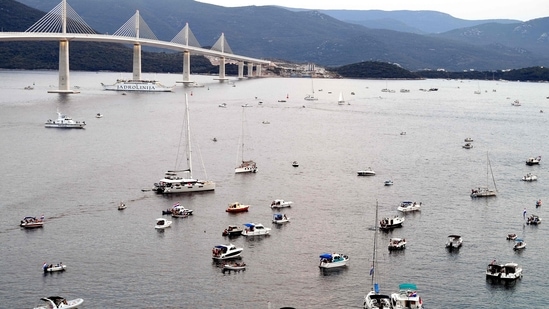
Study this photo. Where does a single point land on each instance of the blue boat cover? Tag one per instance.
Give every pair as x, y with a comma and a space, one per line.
326, 256
249, 224
519, 240
278, 216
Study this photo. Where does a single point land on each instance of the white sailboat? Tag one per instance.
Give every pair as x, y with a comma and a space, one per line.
172, 182
340, 101
245, 166
311, 97
374, 300
486, 191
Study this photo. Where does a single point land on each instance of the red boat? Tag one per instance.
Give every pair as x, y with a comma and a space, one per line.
237, 207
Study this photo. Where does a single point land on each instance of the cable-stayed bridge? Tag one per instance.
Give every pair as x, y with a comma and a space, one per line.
63, 24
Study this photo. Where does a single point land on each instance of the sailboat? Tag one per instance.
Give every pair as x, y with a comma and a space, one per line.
311, 97
374, 300
246, 166
340, 101
486, 191
172, 182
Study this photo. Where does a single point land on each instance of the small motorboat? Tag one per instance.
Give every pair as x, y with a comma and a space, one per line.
32, 222
266, 122
390, 223
162, 223
98, 115
396, 243
511, 236
57, 302
246, 105
232, 231
50, 268
529, 177
333, 260
122, 206
234, 266
237, 207
408, 206
511, 271
279, 203
454, 242
388, 182
367, 172
224, 252
533, 161
467, 146
538, 203
533, 219
253, 229
519, 244
280, 218
407, 296
468, 140
493, 271
214, 139
516, 103
403, 133
295, 164
223, 105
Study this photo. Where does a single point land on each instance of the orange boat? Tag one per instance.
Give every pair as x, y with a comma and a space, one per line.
237, 207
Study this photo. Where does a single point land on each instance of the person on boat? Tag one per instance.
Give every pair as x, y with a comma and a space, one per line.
538, 203
524, 213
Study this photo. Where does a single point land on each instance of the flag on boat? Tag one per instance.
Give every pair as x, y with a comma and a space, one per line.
372, 271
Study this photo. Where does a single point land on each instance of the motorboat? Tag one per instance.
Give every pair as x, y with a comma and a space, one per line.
388, 182
396, 243
32, 222
280, 218
372, 300
232, 230
137, 85
408, 206
467, 146
266, 122
224, 252
122, 206
511, 271
223, 105
237, 207
64, 122
333, 260
454, 242
533, 161
511, 236
278, 203
468, 140
390, 223
519, 244
367, 172
406, 297
246, 105
403, 133
529, 177
178, 209
533, 219
493, 271
162, 223
98, 115
295, 164
253, 229
236, 266
57, 302
516, 103
50, 268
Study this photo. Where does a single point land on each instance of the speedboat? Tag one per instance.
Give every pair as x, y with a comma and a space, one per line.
494, 270
122, 206
390, 223
388, 182
511, 236
232, 230
468, 140
516, 103
406, 297
50, 268
295, 164
281, 203
533, 219
235, 266
162, 223
454, 242
467, 146
397, 244
32, 222
511, 271
533, 161
64, 122
57, 302
138, 85
408, 206
280, 218
373, 300
223, 105
253, 229
529, 177
519, 244
333, 260
237, 207
367, 172
224, 252
98, 115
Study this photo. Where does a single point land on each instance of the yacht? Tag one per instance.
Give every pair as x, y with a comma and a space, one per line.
224, 252
64, 122
333, 260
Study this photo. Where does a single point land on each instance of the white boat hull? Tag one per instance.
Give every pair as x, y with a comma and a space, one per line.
137, 85
246, 169
197, 187
73, 303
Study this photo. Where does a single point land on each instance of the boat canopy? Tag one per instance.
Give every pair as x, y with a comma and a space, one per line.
326, 256
376, 296
519, 240
249, 225
407, 286
454, 236
407, 202
223, 246
277, 216
28, 218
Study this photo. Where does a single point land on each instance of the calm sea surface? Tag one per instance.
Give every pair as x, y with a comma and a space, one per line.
116, 259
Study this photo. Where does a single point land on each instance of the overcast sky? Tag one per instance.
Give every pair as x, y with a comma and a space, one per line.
465, 9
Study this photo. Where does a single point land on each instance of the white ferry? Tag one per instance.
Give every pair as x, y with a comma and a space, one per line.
137, 85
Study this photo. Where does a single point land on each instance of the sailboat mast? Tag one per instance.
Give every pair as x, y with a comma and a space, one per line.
189, 150
242, 137
373, 270
493, 179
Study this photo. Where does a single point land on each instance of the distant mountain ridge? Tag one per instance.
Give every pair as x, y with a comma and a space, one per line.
272, 32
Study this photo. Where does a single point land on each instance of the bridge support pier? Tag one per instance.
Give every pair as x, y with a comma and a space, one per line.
186, 69
64, 82
241, 70
137, 61
250, 69
222, 69
258, 70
